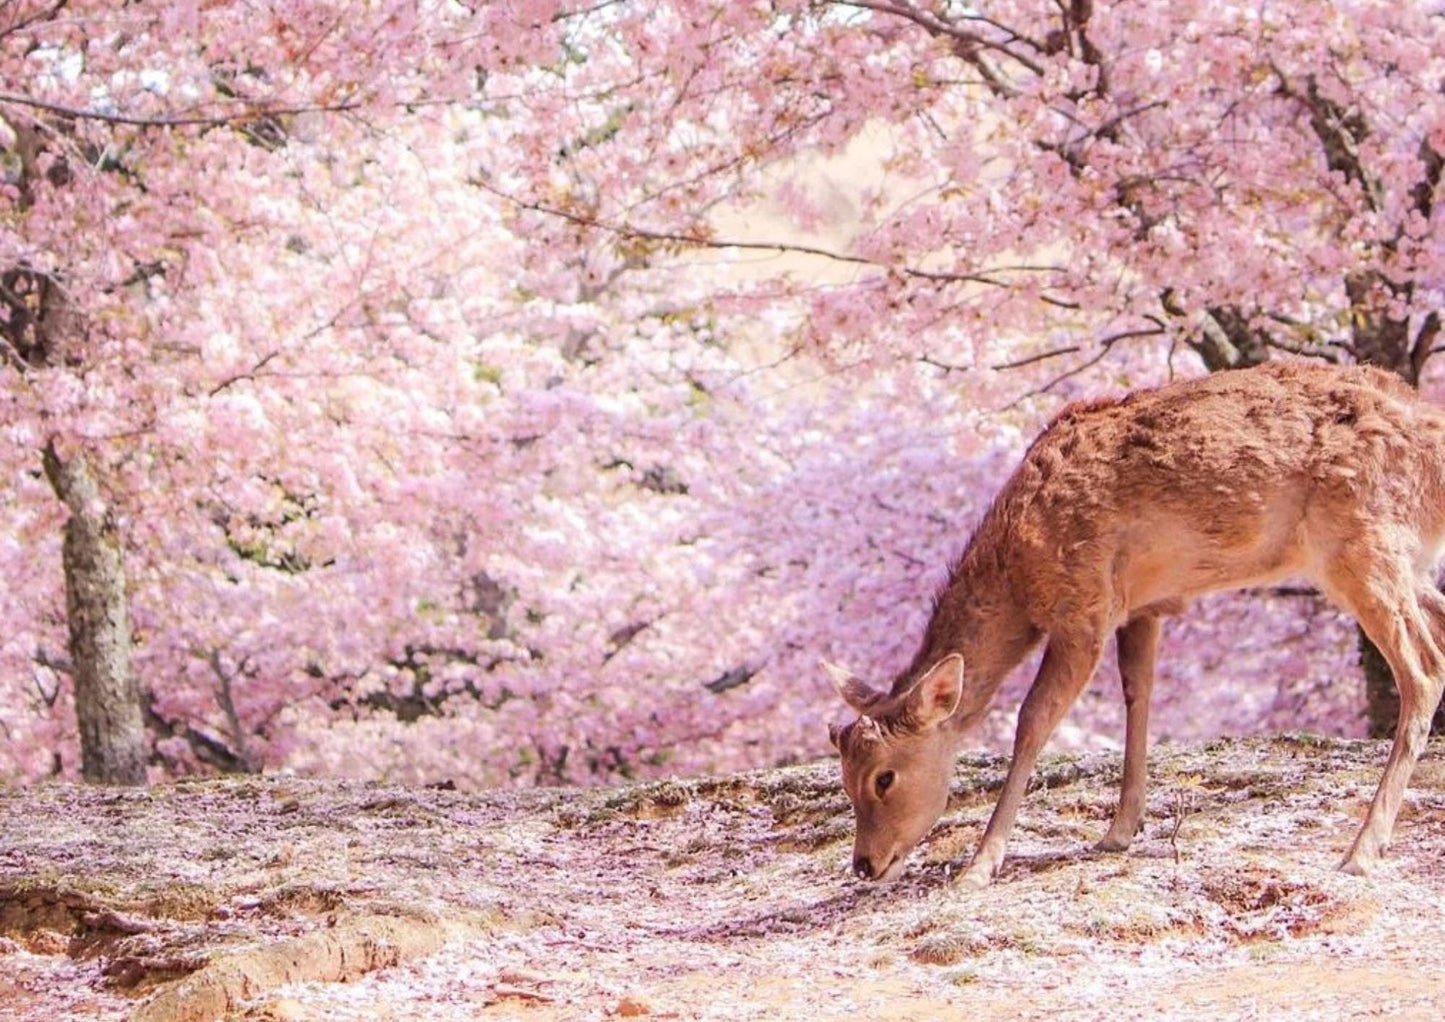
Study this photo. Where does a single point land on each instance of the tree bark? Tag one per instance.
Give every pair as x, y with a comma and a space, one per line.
113, 746
41, 328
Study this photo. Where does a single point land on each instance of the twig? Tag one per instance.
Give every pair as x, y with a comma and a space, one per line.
251, 113
935, 25
1106, 344
698, 240
1181, 810
1044, 356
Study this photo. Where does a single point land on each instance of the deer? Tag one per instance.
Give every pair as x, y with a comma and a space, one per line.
1120, 512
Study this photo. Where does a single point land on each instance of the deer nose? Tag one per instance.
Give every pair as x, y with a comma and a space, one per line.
863, 867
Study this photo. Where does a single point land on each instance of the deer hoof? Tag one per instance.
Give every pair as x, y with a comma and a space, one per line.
1357, 865
975, 878
1110, 843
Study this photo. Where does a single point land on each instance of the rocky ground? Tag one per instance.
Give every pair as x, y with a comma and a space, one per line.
724, 898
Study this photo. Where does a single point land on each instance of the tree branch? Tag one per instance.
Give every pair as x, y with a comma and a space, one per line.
1339, 131
253, 112
58, 664
249, 374
1043, 356
735, 678
1106, 345
207, 749
702, 241
42, 14
228, 707
1424, 342
968, 45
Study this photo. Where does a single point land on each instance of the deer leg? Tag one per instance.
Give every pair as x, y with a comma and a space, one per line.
1138, 643
1066, 669
1405, 624
1432, 602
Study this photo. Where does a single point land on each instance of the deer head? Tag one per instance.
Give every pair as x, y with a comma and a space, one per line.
897, 762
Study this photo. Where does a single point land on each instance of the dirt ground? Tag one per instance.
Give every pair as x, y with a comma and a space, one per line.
724, 898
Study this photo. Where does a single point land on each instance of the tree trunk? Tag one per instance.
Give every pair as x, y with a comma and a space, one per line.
107, 696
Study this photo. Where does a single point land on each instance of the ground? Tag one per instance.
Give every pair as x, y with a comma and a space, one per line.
724, 898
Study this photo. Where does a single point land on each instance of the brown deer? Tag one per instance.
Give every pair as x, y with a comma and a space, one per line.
1120, 512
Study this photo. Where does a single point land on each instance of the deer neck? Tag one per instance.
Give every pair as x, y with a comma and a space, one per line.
976, 615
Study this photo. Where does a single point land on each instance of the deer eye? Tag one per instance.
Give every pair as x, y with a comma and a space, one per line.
884, 781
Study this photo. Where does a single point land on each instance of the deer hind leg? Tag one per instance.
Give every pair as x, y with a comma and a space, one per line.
1067, 666
1138, 644
1407, 623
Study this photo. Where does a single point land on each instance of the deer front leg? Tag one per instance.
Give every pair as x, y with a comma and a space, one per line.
1138, 643
1066, 668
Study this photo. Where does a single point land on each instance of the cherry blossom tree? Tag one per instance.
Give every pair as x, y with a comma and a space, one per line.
180, 328
1066, 181
521, 391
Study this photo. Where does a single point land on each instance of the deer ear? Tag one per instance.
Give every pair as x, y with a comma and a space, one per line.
855, 692
935, 696
835, 735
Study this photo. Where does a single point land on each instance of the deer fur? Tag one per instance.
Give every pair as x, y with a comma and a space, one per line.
1121, 511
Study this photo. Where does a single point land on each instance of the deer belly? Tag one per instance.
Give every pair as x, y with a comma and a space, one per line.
1173, 561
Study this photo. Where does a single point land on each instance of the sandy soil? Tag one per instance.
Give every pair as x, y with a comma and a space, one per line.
723, 898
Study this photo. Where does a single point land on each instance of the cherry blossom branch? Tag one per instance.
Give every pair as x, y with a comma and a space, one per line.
1339, 131
250, 374
252, 113
734, 678
939, 26
1106, 345
1017, 363
39, 15
1328, 350
776, 247
1044, 356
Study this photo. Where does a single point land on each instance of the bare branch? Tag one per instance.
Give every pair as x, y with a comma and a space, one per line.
206, 748
47, 696
1424, 342
1106, 345
738, 676
1065, 375
228, 706
1105, 342
58, 664
1043, 356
